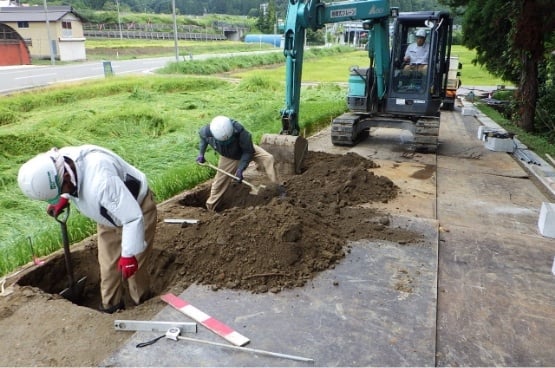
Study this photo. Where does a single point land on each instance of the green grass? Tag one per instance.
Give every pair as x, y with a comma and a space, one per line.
474, 75
336, 69
110, 49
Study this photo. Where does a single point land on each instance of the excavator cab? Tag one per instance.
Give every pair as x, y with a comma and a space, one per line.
417, 89
412, 90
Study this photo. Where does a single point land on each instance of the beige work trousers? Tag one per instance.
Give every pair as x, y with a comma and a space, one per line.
422, 68
109, 252
221, 181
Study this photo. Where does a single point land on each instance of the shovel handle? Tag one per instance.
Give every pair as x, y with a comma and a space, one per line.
62, 217
62, 220
230, 175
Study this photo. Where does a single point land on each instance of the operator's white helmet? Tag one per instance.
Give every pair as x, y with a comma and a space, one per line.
221, 128
40, 178
421, 33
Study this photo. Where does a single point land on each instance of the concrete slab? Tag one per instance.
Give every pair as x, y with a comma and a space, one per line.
376, 308
496, 301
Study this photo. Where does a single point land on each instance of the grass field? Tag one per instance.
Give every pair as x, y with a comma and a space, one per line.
332, 69
111, 49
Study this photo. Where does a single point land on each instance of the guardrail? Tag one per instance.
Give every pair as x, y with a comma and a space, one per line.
154, 35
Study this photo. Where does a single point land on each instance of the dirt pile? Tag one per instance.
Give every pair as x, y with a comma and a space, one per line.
269, 242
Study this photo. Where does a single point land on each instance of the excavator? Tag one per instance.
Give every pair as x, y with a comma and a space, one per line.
388, 93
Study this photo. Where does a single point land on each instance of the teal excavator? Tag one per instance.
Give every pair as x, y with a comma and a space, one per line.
390, 92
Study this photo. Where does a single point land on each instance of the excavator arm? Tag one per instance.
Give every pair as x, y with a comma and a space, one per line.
315, 14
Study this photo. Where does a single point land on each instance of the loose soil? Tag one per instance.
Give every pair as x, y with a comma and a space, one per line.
257, 243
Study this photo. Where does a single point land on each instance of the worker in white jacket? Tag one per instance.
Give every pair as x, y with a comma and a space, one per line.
116, 196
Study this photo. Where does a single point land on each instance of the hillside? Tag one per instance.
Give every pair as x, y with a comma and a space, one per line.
201, 7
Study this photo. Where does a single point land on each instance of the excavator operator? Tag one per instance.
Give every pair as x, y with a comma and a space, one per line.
416, 55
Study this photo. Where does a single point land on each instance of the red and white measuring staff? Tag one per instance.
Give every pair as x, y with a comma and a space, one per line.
207, 321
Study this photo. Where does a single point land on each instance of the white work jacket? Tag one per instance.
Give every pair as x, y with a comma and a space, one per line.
110, 191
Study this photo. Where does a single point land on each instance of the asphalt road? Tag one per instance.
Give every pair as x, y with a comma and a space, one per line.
22, 77
16, 78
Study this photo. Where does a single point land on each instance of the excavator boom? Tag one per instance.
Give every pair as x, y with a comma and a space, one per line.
315, 14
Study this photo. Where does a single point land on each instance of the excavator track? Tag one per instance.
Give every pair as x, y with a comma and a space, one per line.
426, 135
344, 130
349, 129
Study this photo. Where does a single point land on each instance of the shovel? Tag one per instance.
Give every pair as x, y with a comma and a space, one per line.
254, 188
74, 291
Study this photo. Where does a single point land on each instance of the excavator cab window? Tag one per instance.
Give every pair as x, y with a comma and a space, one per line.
411, 58
418, 90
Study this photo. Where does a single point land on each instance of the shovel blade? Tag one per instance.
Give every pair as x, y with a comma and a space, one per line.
256, 189
74, 292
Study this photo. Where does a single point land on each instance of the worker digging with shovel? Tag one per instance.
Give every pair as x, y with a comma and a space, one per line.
108, 190
234, 144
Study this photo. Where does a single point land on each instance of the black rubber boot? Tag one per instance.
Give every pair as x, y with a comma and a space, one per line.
112, 309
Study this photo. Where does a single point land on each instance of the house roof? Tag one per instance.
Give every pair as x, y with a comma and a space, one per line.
34, 13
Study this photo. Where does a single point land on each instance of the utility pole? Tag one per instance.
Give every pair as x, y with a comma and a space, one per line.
119, 21
175, 32
50, 45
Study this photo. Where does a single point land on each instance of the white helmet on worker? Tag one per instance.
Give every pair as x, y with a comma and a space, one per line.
221, 128
40, 178
421, 33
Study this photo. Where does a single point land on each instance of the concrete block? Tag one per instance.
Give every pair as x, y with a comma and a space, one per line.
500, 144
546, 221
481, 132
468, 111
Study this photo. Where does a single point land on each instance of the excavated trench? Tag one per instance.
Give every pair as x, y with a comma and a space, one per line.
258, 243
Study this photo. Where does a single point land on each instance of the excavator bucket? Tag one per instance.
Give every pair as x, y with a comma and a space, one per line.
288, 151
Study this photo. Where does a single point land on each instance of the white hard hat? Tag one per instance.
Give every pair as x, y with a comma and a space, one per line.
421, 33
221, 128
40, 178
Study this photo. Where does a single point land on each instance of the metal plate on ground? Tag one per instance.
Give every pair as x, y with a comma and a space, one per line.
375, 308
496, 299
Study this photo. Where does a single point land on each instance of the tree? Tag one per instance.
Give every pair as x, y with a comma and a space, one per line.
534, 24
509, 38
267, 18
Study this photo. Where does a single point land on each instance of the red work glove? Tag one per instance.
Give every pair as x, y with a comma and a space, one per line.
54, 210
128, 266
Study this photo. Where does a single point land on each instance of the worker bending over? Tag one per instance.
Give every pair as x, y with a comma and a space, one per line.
111, 192
234, 144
